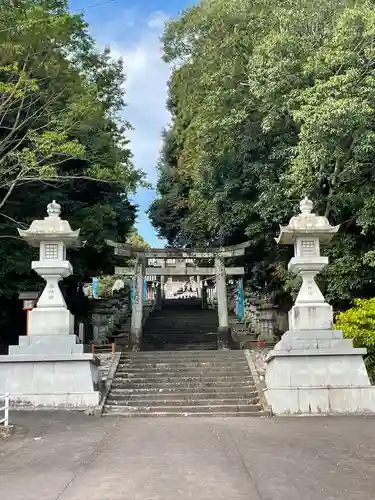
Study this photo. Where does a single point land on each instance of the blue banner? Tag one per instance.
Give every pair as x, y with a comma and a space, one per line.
95, 287
240, 302
132, 293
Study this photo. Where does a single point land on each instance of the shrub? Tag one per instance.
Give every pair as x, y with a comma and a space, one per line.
358, 323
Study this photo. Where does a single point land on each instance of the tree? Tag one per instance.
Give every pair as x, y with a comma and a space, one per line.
134, 238
61, 137
270, 102
54, 91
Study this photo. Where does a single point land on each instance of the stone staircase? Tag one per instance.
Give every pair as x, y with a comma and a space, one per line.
183, 383
181, 325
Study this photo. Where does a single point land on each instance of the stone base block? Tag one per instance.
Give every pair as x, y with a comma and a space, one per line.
319, 368
317, 316
51, 380
47, 344
50, 321
73, 401
312, 340
223, 337
135, 339
321, 400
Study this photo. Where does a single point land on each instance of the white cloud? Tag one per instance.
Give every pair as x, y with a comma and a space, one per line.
146, 88
157, 20
136, 39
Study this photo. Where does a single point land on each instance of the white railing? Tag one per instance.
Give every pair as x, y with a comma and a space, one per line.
5, 409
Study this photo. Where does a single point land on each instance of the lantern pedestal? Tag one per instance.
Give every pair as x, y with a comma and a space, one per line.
50, 380
310, 317
51, 321
317, 371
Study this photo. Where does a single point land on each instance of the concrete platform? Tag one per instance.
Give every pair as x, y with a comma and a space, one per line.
51, 380
70, 456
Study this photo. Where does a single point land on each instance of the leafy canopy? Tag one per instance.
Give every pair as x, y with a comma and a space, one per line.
272, 101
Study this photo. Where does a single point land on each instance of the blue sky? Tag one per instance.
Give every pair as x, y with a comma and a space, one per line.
132, 30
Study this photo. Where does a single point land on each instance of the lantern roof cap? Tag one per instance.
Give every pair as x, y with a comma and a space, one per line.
307, 223
51, 228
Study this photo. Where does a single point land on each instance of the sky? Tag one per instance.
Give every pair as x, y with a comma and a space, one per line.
133, 30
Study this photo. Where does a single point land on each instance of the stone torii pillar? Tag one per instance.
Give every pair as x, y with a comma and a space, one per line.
222, 303
162, 281
199, 288
158, 295
204, 295
137, 309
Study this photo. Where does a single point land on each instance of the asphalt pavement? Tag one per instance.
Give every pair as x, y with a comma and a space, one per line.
71, 456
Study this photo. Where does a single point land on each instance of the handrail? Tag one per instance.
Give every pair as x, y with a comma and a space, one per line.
103, 348
5, 420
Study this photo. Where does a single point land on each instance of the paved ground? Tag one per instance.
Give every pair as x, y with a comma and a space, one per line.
70, 456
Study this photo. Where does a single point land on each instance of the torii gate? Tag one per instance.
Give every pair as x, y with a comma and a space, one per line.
141, 270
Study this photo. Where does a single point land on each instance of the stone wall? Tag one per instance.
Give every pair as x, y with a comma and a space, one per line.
263, 317
108, 314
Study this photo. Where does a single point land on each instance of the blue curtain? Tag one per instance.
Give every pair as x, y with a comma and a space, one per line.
95, 287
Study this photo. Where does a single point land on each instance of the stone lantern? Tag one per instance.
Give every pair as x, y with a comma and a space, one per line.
314, 369
49, 367
52, 236
307, 232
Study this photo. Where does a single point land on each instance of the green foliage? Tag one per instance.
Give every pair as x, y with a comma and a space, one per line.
61, 137
271, 101
56, 104
134, 238
105, 286
358, 323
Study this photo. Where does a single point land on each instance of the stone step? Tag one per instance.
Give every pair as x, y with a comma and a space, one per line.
181, 396
145, 403
162, 325
206, 414
182, 375
167, 355
181, 347
183, 333
180, 343
182, 372
186, 409
193, 386
188, 360
166, 378
203, 365
156, 391
188, 378
202, 341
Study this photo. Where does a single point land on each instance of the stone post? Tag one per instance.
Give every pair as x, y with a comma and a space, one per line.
199, 287
222, 303
158, 300
162, 281
313, 369
137, 310
204, 296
